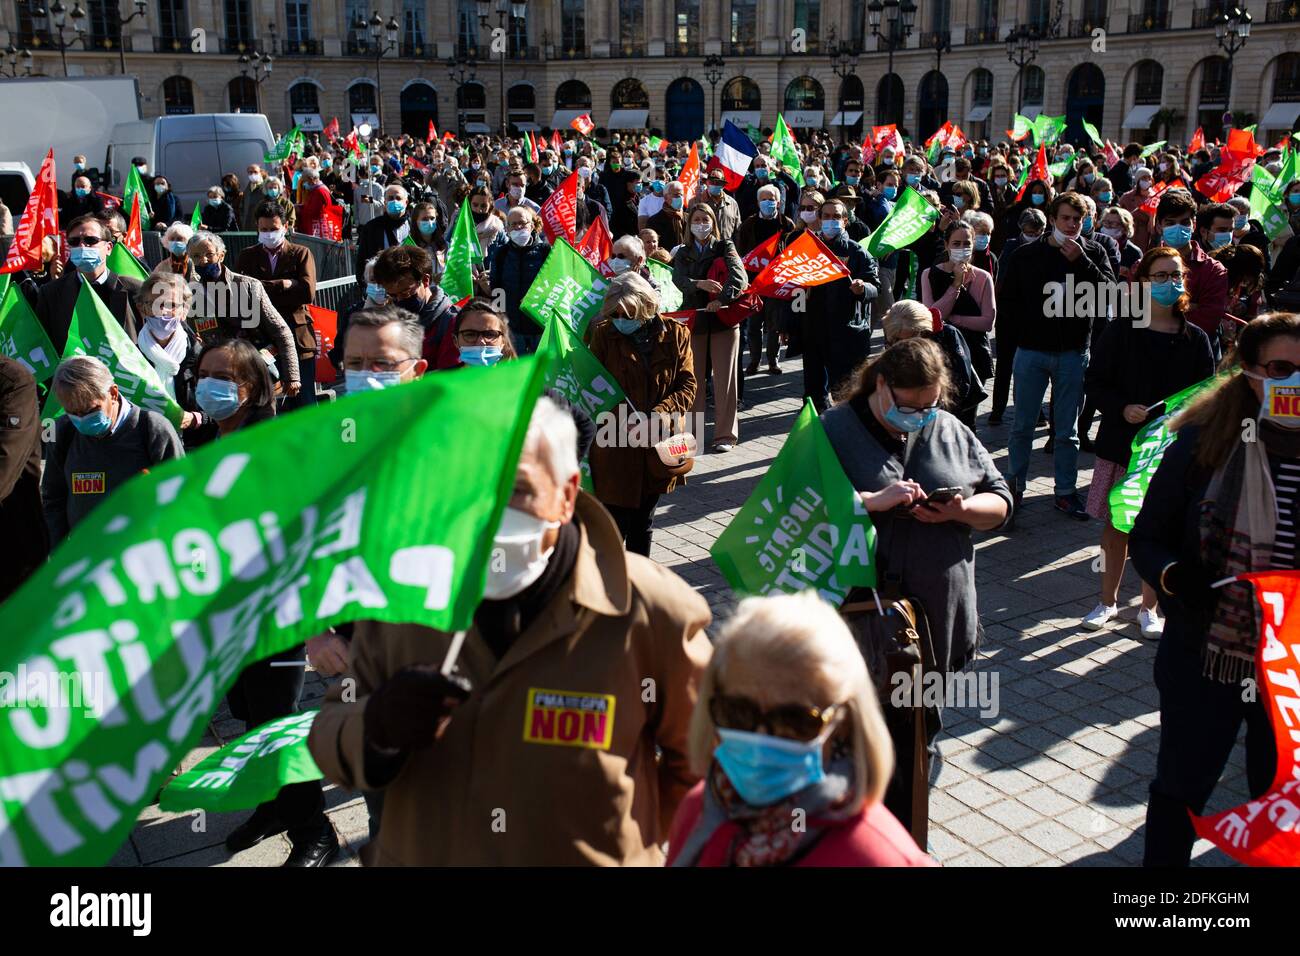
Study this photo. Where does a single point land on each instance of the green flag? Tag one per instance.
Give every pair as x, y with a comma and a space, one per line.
289, 143
1048, 129
1057, 170
911, 218
186, 575
196, 217
1092, 133
1148, 150
803, 527
1022, 126
134, 184
580, 378
1266, 202
1148, 449
567, 286
670, 297
94, 331
247, 771
121, 262
22, 337
783, 149
462, 252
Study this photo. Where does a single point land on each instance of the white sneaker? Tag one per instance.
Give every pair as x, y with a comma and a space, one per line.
1100, 616
1151, 623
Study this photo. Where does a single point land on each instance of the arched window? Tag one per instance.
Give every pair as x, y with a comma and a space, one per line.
1035, 87
1149, 87
1286, 78
363, 103
889, 100
629, 94
1214, 80
804, 93
573, 95
933, 104
471, 96
178, 96
521, 106
419, 104
304, 98
741, 93
243, 95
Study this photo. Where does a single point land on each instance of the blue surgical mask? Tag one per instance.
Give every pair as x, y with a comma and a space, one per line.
480, 354
765, 769
376, 293
82, 193
1176, 236
911, 421
395, 207
981, 243
93, 425
1241, 222
177, 248
80, 166
272, 193
547, 170
1087, 224
1037, 198
891, 192
1220, 239
211, 271
364, 380
626, 326
958, 202
715, 190
852, 180
1167, 293
913, 178
85, 258
658, 188
767, 207
1089, 177
760, 173
675, 202
427, 227
1293, 199
217, 397
1105, 198
214, 201
831, 228
618, 265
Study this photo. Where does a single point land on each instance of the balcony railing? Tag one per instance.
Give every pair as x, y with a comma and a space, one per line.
32, 39
629, 50
1203, 17
1282, 11
1148, 22
575, 53
171, 44
689, 48
108, 42
301, 48
1085, 26
418, 51
238, 45
929, 36
988, 33
740, 47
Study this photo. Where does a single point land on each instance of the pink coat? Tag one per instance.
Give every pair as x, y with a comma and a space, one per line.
872, 838
981, 289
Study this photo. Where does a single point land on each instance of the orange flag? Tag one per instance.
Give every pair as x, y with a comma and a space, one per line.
40, 219
804, 263
1036, 171
1198, 141
689, 177
134, 237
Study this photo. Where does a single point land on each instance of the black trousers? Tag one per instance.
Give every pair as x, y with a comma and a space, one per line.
761, 326
636, 524
1002, 375
1199, 720
261, 694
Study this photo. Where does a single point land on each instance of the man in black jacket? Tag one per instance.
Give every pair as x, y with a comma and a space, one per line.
90, 243
1121, 174
751, 233
1045, 294
384, 231
22, 525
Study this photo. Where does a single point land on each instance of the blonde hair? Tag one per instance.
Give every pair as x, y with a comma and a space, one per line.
634, 293
801, 634
907, 316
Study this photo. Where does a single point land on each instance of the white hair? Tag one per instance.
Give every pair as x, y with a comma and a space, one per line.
81, 379
218, 244
768, 191
553, 438
975, 218
631, 244
178, 230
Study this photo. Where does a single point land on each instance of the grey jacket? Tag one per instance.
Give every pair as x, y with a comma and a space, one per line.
236, 306
934, 562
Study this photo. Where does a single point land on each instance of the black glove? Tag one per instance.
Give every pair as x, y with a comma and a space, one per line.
404, 713
1188, 582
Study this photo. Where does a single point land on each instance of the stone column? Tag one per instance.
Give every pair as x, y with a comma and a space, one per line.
656, 16
602, 26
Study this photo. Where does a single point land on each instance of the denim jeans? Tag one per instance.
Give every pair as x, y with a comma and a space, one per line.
1032, 372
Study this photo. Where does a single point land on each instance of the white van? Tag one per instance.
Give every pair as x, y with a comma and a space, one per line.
16, 183
193, 152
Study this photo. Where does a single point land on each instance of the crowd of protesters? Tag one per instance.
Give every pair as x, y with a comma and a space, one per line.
898, 355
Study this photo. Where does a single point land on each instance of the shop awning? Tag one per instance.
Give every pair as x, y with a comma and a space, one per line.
627, 119
1031, 112
979, 114
528, 127
805, 119
360, 118
1139, 117
1280, 116
310, 122
742, 118
563, 118
847, 118
477, 128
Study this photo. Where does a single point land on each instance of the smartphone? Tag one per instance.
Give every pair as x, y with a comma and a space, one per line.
938, 496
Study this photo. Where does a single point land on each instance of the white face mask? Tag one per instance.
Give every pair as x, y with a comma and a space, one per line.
516, 192
254, 179
1059, 236
701, 230
1112, 232
163, 326
271, 239
619, 265
520, 237
808, 215
959, 255
518, 542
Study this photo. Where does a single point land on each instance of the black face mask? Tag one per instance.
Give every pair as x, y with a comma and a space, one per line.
480, 216
413, 304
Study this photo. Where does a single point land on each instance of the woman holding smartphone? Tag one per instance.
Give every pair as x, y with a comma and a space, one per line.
898, 446
1132, 368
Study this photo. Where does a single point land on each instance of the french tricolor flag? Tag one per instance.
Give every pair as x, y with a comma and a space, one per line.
734, 154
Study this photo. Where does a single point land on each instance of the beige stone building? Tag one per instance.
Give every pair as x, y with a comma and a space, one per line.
1143, 69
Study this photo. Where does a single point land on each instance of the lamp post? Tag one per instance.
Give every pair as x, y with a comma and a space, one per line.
141, 9
459, 69
844, 63
508, 11
383, 36
1022, 50
14, 55
1232, 30
260, 64
713, 67
942, 44
61, 14
900, 18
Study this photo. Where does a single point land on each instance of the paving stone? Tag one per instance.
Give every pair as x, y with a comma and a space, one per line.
1050, 836
1014, 851
974, 829
1012, 814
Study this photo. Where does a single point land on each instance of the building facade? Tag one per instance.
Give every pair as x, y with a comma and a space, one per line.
1137, 69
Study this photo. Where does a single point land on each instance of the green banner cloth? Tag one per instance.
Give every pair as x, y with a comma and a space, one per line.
567, 287
22, 337
910, 219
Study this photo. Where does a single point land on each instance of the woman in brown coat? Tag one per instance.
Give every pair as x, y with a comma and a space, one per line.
650, 358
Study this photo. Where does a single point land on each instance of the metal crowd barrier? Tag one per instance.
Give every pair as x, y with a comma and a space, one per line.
334, 260
337, 294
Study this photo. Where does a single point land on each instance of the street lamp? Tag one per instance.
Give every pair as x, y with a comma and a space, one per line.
900, 18
942, 44
141, 9
1022, 50
844, 63
1232, 30
384, 38
713, 67
513, 10
60, 14
459, 69
14, 56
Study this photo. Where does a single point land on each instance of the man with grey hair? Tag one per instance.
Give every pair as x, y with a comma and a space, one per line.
89, 241
383, 232
99, 443
594, 652
768, 220
670, 221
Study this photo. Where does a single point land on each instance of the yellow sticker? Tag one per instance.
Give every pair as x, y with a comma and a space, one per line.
569, 718
1284, 402
88, 482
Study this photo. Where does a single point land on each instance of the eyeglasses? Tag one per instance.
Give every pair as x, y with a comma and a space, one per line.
909, 409
1279, 368
1174, 276
473, 336
375, 365
85, 240
791, 721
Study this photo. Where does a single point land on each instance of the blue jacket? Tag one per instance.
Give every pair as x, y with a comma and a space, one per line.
513, 268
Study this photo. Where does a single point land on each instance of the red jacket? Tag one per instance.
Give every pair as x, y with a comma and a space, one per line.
1207, 284
312, 209
872, 838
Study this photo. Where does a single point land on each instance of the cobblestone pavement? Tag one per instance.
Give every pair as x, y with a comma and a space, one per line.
1057, 777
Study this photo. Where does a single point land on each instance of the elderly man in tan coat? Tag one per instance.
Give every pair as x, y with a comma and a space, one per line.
561, 738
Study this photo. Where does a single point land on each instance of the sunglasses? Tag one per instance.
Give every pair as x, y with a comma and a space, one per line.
85, 240
791, 721
473, 336
1279, 368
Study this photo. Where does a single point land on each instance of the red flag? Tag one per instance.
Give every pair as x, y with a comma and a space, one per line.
325, 323
330, 223
416, 164
757, 259
868, 150
559, 211
597, 243
351, 143
555, 141
1153, 198
111, 203
1198, 141
583, 124
1242, 145
804, 263
940, 134
134, 237
432, 134
1112, 154
446, 136
1221, 183
332, 130
40, 219
1266, 831
689, 177
1037, 171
